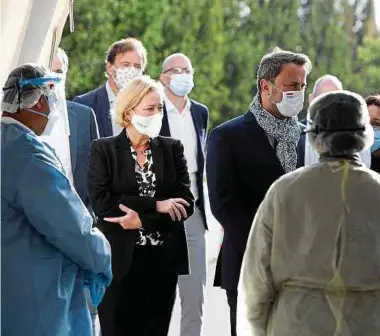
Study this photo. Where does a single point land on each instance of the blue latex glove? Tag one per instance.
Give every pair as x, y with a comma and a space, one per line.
96, 293
96, 284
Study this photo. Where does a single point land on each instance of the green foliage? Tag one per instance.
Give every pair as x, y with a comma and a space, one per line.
225, 40
367, 79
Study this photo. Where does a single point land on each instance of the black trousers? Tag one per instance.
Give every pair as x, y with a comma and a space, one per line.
232, 302
141, 303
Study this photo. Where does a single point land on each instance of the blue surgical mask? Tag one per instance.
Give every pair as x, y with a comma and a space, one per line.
376, 144
181, 84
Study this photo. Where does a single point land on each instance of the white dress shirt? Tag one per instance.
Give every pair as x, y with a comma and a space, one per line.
312, 156
182, 127
116, 129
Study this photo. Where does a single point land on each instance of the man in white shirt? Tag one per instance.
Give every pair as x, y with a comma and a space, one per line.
187, 120
125, 60
324, 84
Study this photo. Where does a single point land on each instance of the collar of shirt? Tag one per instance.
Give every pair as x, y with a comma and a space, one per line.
170, 107
111, 95
9, 120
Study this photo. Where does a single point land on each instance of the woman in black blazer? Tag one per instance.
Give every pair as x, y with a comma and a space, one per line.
139, 188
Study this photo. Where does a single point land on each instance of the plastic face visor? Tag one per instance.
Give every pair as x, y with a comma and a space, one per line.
47, 84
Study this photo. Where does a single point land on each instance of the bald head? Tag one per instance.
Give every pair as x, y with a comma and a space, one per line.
176, 60
326, 83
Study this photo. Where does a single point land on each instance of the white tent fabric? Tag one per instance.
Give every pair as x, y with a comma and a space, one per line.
30, 30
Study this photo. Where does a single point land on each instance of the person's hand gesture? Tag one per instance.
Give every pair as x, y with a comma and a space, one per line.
175, 207
130, 221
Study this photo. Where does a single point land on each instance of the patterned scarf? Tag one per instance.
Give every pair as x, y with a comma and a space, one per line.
286, 132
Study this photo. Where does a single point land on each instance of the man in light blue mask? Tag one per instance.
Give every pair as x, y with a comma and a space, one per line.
187, 120
324, 84
373, 103
49, 248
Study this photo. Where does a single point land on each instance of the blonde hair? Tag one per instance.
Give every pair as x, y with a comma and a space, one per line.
131, 96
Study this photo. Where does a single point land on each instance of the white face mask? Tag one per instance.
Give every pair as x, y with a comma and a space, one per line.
52, 116
292, 102
125, 75
181, 84
149, 126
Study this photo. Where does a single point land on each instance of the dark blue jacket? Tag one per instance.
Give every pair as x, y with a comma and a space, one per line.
83, 130
98, 100
200, 115
241, 166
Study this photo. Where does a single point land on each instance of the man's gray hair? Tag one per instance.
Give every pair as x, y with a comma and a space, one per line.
168, 59
326, 78
64, 58
271, 64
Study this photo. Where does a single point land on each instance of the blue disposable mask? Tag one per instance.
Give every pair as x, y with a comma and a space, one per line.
181, 84
376, 144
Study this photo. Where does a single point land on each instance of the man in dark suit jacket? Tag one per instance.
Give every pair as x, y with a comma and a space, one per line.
187, 120
125, 60
247, 154
83, 130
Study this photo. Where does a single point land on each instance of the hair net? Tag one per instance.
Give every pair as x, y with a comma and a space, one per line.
339, 124
16, 96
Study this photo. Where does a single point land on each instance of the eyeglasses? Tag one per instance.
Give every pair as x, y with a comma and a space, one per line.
179, 71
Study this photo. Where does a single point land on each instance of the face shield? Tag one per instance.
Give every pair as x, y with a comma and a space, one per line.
24, 93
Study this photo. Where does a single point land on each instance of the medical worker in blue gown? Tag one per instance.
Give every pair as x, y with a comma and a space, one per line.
49, 250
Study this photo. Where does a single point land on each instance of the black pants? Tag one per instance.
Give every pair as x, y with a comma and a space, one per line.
232, 302
142, 303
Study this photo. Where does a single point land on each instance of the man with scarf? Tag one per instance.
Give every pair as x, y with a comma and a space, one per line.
247, 154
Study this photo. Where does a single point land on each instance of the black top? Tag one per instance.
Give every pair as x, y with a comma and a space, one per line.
112, 181
375, 164
146, 180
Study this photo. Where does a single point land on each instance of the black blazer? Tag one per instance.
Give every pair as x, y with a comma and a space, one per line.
112, 181
98, 100
200, 115
241, 166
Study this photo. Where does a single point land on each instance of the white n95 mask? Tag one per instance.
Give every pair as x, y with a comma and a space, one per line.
149, 126
125, 75
53, 115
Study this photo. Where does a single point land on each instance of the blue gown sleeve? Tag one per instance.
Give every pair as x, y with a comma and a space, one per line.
55, 210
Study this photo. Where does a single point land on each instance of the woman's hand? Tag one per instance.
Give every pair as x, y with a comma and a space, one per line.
130, 221
174, 207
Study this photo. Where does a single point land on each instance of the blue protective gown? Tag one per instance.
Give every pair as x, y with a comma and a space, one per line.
47, 241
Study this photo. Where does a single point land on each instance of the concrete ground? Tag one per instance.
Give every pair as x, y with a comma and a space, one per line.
216, 315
